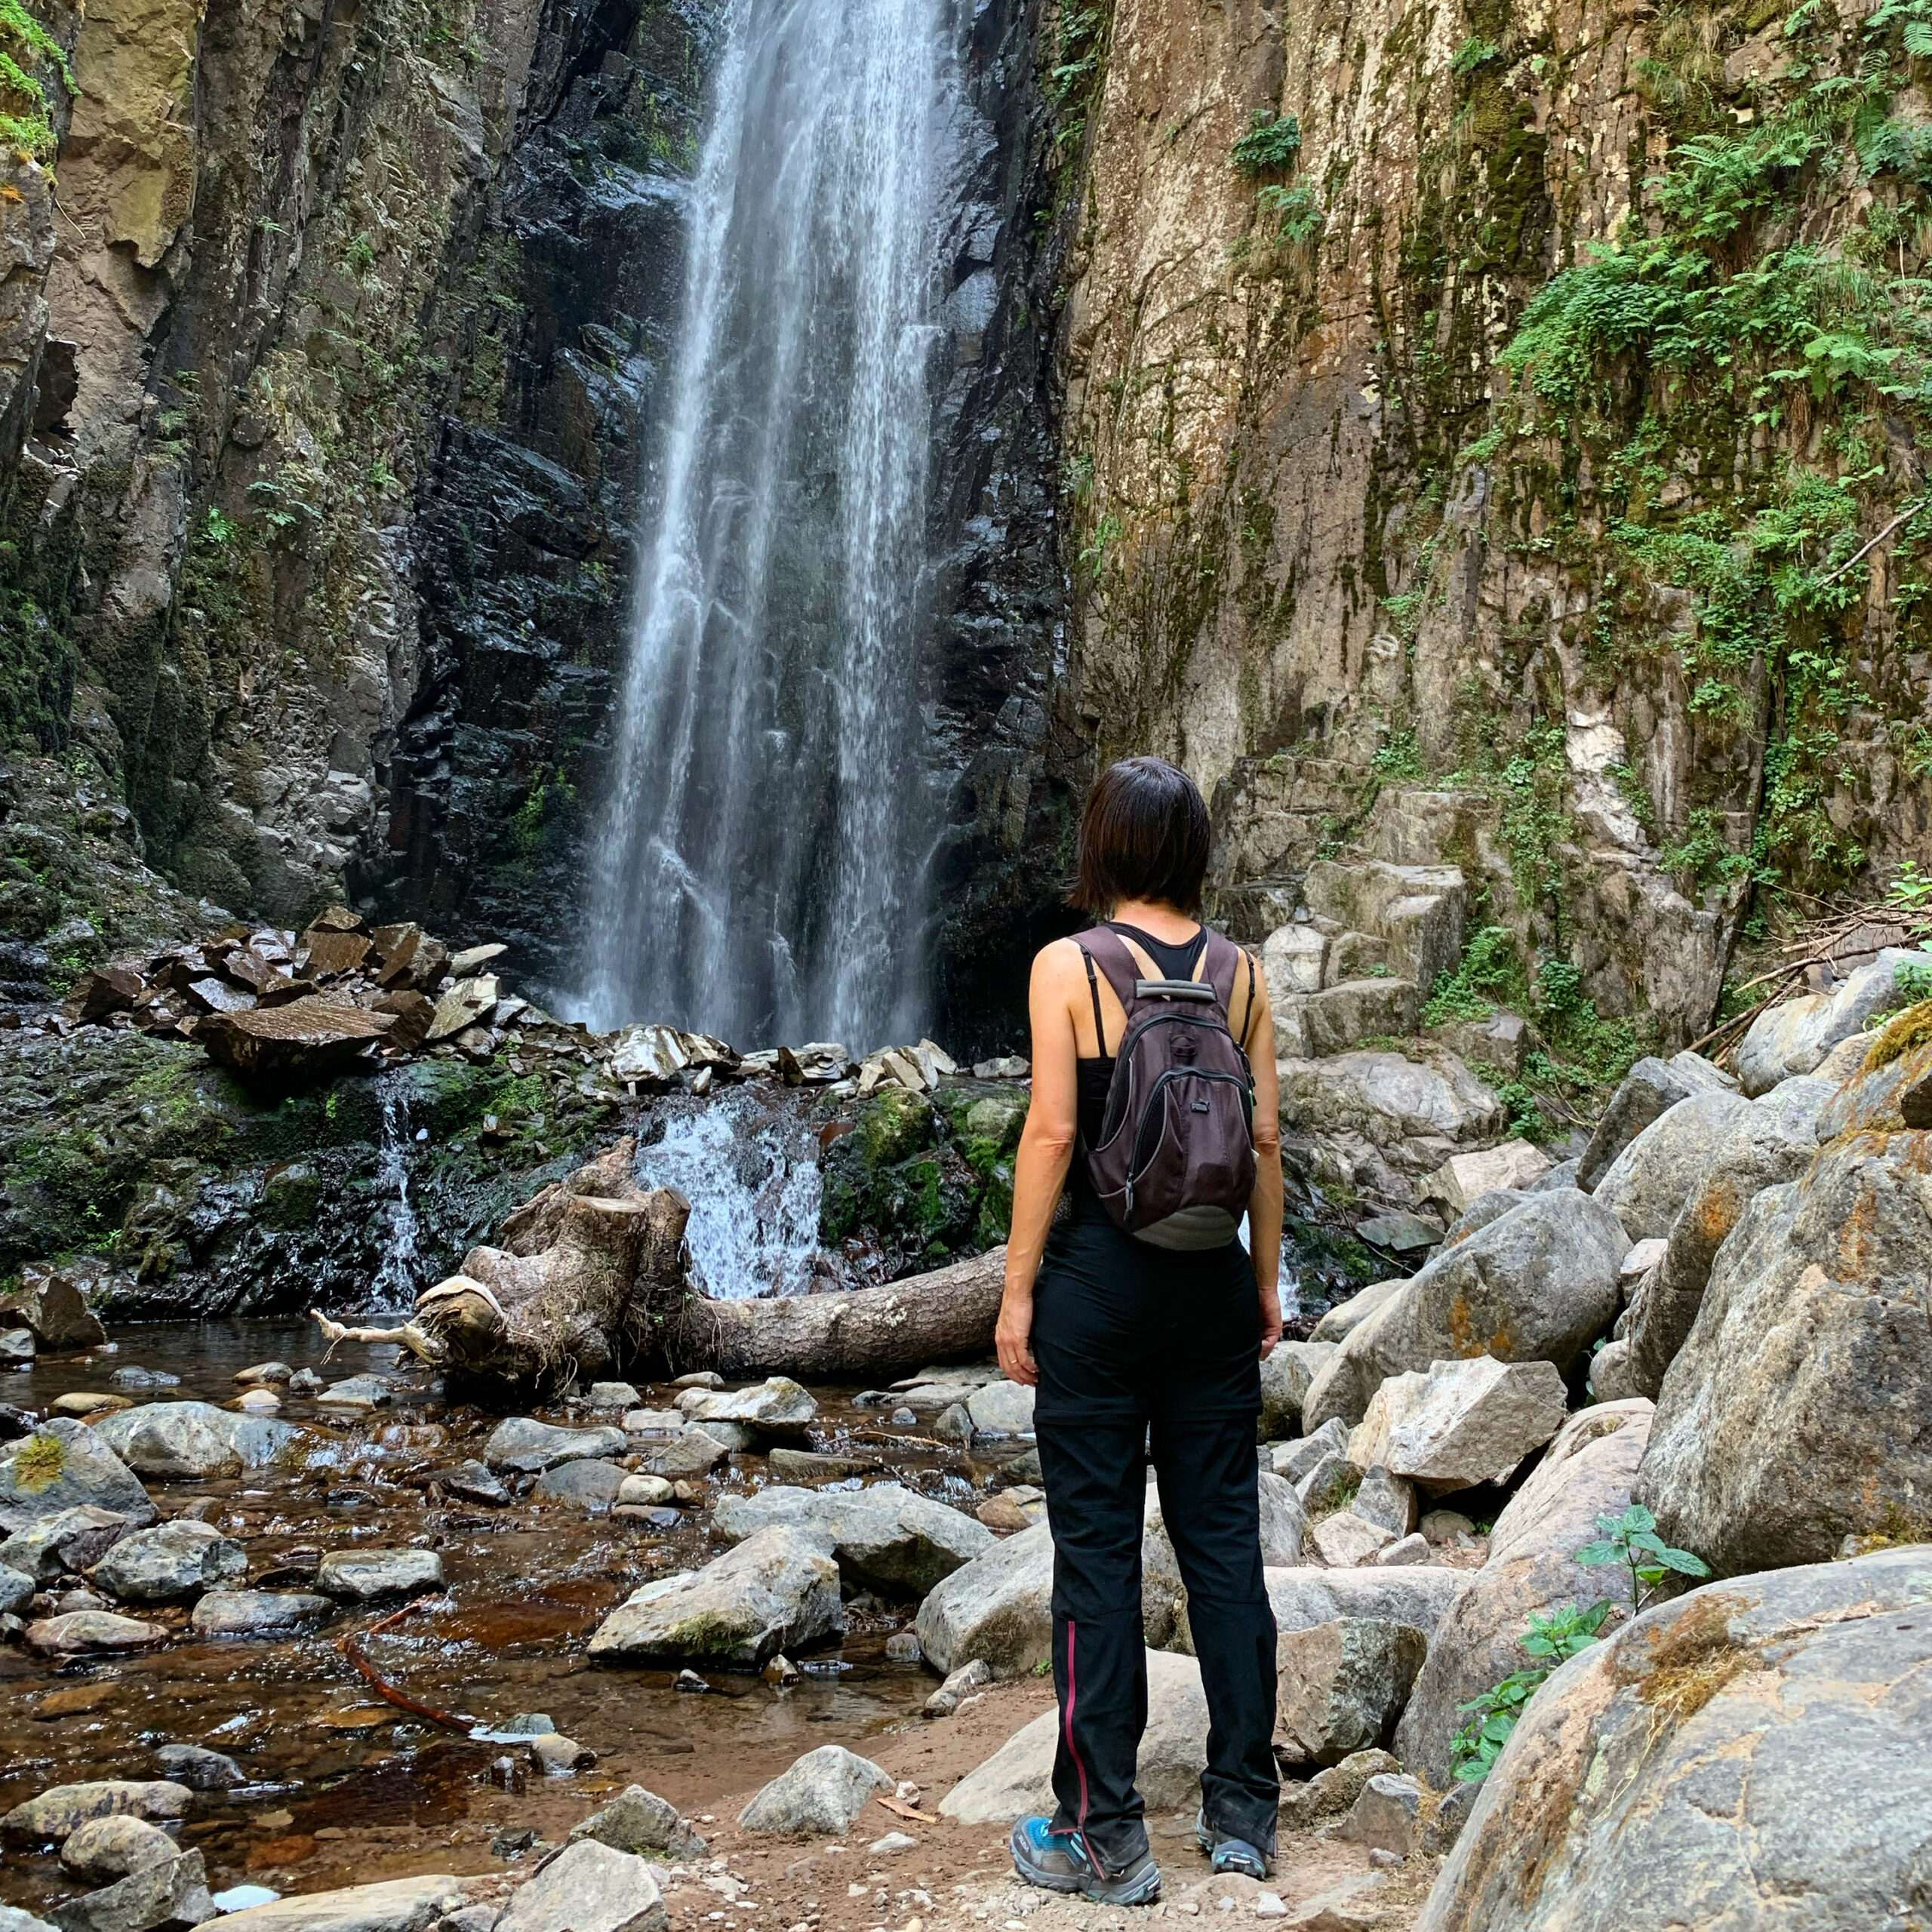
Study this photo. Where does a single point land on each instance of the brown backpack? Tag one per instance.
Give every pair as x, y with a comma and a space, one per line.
1174, 1165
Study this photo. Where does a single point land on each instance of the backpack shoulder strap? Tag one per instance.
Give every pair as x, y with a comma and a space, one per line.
1220, 966
1107, 950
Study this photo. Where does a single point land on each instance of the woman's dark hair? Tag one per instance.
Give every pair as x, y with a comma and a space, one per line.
1144, 835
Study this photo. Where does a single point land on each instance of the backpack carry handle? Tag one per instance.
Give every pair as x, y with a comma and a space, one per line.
1194, 989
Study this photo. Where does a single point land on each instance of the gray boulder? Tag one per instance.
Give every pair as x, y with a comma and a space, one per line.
73, 1541
195, 1441
589, 1483
96, 1632
1335, 1325
1295, 1461
1386, 1500
1540, 1284
1302, 1597
1650, 1090
1286, 1372
527, 1446
997, 1607
51, 1301
105, 1849
394, 1905
1611, 1378
169, 1561
1586, 1472
887, 1537
639, 1821
360, 1576
1796, 1036
1341, 1685
587, 1886
824, 1791
1740, 1756
256, 1613
167, 1896
56, 1813
1387, 1816
17, 1591
199, 1769
778, 1590
777, 1406
1794, 1415
1461, 1423
65, 1465
12, 1919
1017, 1779
1002, 1408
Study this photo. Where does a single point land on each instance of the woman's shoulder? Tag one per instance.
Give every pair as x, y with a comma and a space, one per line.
1058, 956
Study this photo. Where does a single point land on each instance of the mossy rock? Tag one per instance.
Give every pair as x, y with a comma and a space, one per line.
292, 1196
893, 1124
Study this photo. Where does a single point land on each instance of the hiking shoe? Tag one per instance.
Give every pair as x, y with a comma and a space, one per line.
1061, 1862
1229, 1856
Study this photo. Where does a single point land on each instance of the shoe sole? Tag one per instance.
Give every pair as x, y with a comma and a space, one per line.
1146, 1891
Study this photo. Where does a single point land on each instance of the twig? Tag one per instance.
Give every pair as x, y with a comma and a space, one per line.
886, 1436
351, 1646
1910, 510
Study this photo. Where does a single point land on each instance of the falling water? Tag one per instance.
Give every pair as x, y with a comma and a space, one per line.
759, 872
395, 1285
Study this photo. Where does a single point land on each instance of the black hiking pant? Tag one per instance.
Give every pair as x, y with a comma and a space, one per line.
1128, 1338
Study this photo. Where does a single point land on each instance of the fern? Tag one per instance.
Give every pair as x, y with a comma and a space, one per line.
1271, 144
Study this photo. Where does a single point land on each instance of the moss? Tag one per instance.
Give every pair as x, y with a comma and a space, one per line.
40, 1464
1911, 1028
292, 1196
893, 1123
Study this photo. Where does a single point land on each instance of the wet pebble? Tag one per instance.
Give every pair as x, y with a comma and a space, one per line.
304, 1382
199, 1770
268, 1371
142, 1378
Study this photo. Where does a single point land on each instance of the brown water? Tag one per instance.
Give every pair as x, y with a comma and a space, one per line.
345, 1787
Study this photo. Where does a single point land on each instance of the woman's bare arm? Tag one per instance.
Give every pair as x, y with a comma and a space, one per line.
1046, 1151
1264, 1204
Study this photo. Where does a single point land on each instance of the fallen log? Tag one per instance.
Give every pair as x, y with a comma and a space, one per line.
868, 1335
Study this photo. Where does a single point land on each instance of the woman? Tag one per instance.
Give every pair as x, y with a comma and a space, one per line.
1128, 1342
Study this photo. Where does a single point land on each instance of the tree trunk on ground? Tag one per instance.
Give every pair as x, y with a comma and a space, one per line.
868, 1335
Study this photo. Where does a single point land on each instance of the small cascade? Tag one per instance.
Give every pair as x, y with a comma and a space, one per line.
751, 1178
395, 1286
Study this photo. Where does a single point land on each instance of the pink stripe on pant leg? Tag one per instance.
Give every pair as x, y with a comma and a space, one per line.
1073, 1749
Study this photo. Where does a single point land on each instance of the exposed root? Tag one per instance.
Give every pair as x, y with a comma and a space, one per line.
408, 1336
351, 1646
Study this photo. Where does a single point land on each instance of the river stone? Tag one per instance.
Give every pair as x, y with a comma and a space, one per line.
63, 1809
612, 1395
1017, 1779
1340, 1685
997, 1607
169, 1897
105, 1849
887, 1537
638, 1820
528, 1446
470, 1482
588, 1886
80, 1402
91, 1632
142, 1379
62, 1465
395, 1905
1286, 1371
199, 1769
1794, 1036
692, 1454
16, 1590
778, 1590
358, 1392
1460, 1424
1346, 1316
1539, 1284
194, 1441
51, 1302
591, 1485
1794, 1416
1755, 1742
263, 1373
17, 1346
777, 1406
75, 1541
359, 1576
256, 1613
824, 1791
1585, 1472
1776, 1143
641, 1492
1002, 1408
171, 1560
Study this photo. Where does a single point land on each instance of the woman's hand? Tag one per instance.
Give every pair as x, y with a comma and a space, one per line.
1271, 1320
1013, 1338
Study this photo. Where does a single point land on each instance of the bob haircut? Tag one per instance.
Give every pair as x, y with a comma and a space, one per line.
1144, 835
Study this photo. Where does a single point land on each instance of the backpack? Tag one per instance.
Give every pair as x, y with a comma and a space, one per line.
1174, 1165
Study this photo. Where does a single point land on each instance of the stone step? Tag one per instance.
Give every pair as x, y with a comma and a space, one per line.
1315, 1026
1421, 911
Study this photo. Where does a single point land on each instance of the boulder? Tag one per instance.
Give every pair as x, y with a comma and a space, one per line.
1346, 1316
50, 1818
824, 1791
1329, 1485
105, 1849
1459, 1424
1611, 1378
1651, 1088
395, 1905
90, 1633
527, 1446
1734, 1758
1017, 1779
199, 1769
196, 1442
1419, 911
1486, 1207
1341, 1685
256, 1613
778, 1590
1793, 1036
592, 1485
1463, 1178
1313, 1025
777, 1406
65, 1465
51, 1304
1341, 1539
1331, 1792
640, 1492
693, 1453
1292, 961
167, 1896
638, 1821
1286, 1371
1387, 1500
588, 1886
1538, 1284
1002, 1408
887, 1537
360, 1576
17, 1591
1387, 1816
1413, 1548
75, 1541
170, 1561
1585, 1472
1777, 1142
1304, 1596
304, 1043
1794, 1415
1294, 1462
998, 1607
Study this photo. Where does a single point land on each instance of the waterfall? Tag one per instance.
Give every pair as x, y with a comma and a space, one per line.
395, 1285
758, 874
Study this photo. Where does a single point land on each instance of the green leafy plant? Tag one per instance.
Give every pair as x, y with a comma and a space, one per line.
1474, 52
1398, 755
1910, 888
1631, 1540
1487, 973
1297, 214
1555, 1635
1271, 144
1913, 980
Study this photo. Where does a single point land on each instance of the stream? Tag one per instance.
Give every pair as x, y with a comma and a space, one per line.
345, 1788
